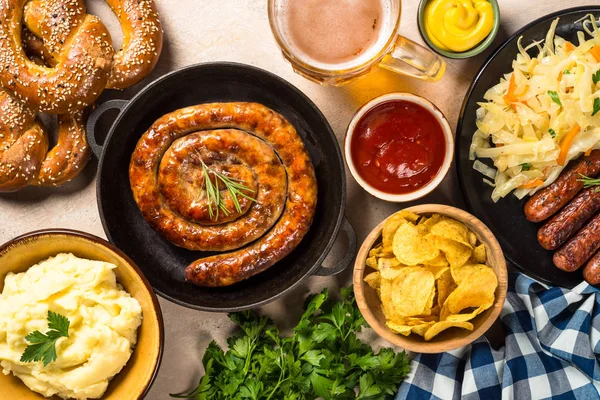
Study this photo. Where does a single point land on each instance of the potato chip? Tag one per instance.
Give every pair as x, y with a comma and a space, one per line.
390, 270
381, 251
412, 291
411, 248
475, 289
429, 309
472, 239
422, 328
432, 298
437, 271
429, 312
479, 255
397, 328
425, 223
439, 261
387, 306
390, 273
419, 320
445, 286
456, 253
372, 262
443, 325
467, 316
463, 273
393, 223
373, 280
458, 301
426, 313
446, 315
452, 229
409, 216
375, 250
388, 262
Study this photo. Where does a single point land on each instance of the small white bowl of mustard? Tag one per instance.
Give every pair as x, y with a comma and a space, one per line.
459, 28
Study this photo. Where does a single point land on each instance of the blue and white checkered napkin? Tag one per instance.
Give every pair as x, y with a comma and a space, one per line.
552, 351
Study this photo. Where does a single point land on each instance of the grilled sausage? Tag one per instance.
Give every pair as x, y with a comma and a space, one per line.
591, 272
570, 219
548, 201
580, 248
263, 150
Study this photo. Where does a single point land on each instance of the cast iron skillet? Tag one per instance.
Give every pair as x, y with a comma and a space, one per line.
164, 263
517, 236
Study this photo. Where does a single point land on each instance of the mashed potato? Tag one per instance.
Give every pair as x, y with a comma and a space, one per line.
104, 322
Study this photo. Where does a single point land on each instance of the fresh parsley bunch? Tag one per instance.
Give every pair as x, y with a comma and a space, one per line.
323, 359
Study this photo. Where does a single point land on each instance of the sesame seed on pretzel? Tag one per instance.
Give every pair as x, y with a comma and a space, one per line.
48, 26
83, 60
142, 34
142, 42
23, 144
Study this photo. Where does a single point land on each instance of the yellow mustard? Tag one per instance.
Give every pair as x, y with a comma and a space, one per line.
458, 25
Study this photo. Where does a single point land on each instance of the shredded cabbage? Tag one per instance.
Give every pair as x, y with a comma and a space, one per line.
484, 169
522, 124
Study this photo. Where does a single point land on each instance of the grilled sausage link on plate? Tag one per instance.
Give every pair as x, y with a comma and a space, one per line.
591, 272
570, 219
580, 248
548, 201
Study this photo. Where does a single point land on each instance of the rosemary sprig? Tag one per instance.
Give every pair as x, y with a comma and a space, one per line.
589, 182
213, 194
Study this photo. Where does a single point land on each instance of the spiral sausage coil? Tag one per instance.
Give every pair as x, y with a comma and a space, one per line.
246, 142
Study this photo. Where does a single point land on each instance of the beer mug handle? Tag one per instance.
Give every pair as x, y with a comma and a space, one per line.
412, 59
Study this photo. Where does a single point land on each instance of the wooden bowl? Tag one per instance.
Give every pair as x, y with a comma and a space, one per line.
134, 381
450, 339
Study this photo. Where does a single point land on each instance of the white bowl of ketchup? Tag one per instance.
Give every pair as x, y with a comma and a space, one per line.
399, 147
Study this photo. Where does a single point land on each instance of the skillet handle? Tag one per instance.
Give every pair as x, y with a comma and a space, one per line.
93, 120
348, 258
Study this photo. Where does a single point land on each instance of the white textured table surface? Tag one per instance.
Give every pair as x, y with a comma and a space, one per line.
238, 30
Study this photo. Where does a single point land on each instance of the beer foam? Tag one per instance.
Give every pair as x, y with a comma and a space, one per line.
335, 34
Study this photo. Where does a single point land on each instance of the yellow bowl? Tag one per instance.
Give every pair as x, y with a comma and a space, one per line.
134, 381
450, 339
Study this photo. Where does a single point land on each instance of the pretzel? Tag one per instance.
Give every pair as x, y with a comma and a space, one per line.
23, 143
142, 35
48, 25
142, 42
79, 42
24, 156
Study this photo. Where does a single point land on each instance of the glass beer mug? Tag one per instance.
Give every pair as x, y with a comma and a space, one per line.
334, 41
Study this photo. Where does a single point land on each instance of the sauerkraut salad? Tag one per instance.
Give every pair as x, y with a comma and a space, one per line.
543, 114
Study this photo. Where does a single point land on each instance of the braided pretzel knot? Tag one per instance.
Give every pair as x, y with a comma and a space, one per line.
50, 25
142, 35
83, 59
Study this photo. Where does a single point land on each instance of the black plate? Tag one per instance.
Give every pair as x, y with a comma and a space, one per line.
163, 263
517, 236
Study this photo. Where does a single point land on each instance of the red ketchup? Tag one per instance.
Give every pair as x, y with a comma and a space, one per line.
398, 147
